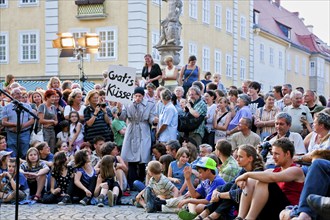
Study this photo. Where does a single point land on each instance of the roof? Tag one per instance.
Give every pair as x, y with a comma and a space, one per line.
272, 16
32, 85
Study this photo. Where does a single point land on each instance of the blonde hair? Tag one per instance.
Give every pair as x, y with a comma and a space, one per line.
51, 80
90, 95
168, 58
155, 167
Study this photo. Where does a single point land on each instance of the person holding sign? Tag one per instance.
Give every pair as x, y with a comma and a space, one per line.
151, 71
140, 115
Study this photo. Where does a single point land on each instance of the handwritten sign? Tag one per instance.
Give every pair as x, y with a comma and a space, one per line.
120, 84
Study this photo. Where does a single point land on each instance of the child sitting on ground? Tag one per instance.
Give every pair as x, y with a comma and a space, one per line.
159, 187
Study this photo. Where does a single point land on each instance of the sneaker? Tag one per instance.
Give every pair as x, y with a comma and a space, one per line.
100, 201
110, 198
149, 199
185, 215
320, 204
65, 201
84, 201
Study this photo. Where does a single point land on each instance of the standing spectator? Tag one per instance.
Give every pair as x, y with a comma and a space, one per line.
9, 121
54, 83
75, 104
310, 99
221, 120
60, 105
286, 89
36, 100
48, 118
150, 95
256, 100
209, 134
264, 119
179, 91
118, 128
168, 119
277, 91
245, 86
66, 85
151, 71
217, 81
97, 118
170, 74
3, 143
189, 74
140, 115
207, 79
297, 110
197, 107
10, 79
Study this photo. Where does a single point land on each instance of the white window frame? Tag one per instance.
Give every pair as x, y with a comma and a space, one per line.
217, 61
4, 4
262, 53
288, 62
312, 70
77, 33
206, 59
229, 65
192, 49
303, 66
206, 11
193, 9
114, 41
280, 59
242, 68
243, 27
29, 44
218, 16
271, 56
154, 40
296, 64
156, 2
28, 3
6, 47
229, 20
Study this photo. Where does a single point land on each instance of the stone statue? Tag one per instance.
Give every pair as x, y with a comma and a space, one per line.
171, 26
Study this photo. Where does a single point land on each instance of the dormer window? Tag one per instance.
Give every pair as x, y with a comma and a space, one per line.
285, 29
256, 16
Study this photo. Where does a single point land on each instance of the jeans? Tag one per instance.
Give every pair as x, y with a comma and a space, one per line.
317, 182
24, 139
138, 185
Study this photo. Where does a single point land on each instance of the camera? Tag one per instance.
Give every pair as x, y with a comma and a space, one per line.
265, 148
102, 105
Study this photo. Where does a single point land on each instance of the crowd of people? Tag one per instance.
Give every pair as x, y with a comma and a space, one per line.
196, 147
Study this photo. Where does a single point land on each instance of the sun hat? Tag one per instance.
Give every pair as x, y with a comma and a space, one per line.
4, 153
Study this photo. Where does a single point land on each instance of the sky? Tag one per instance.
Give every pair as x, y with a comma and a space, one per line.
315, 12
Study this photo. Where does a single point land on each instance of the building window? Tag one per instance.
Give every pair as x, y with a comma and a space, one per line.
108, 46
243, 27
229, 21
229, 65
192, 49
157, 2
312, 68
4, 53
303, 66
271, 56
3, 3
193, 9
262, 53
206, 59
255, 17
154, 51
29, 47
296, 64
28, 2
206, 11
78, 34
280, 60
288, 64
242, 68
217, 16
217, 61
285, 29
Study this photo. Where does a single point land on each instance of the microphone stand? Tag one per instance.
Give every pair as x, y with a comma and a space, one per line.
18, 107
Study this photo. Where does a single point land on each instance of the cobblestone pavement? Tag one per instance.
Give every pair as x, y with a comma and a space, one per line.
41, 211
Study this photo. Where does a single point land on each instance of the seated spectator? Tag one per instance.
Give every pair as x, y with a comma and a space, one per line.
158, 150
3, 143
4, 158
98, 142
228, 196
245, 136
229, 168
268, 193
45, 155
159, 186
172, 147
204, 151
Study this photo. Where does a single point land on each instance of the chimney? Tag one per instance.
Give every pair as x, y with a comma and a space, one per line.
310, 28
278, 3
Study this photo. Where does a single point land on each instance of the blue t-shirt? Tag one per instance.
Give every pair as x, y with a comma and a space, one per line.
205, 188
23, 185
177, 172
85, 177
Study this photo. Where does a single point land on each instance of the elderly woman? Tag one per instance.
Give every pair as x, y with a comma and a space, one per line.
264, 118
47, 114
170, 74
136, 150
75, 104
97, 118
168, 119
151, 71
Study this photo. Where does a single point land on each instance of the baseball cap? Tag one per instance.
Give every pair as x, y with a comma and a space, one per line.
206, 162
4, 153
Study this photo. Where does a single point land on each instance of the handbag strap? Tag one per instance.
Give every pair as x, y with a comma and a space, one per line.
223, 115
186, 79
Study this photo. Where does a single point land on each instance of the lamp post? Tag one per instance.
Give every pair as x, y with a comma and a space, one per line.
72, 47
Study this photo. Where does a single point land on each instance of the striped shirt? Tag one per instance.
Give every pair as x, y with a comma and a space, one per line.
163, 187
